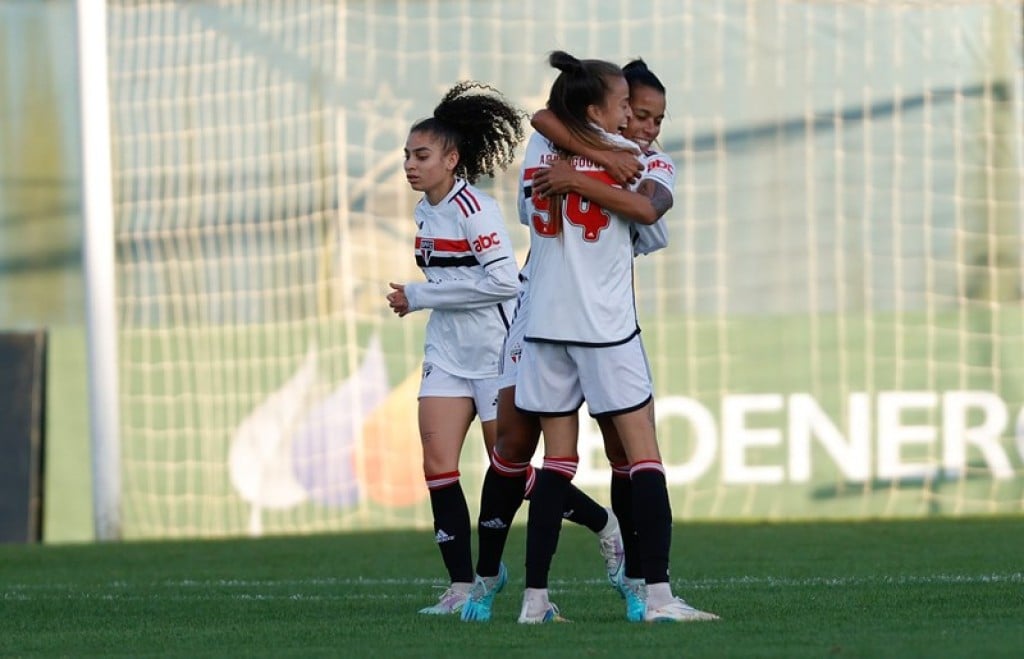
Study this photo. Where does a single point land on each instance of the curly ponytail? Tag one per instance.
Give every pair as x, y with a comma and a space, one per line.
477, 121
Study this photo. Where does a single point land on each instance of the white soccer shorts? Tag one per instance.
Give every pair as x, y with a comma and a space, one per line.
554, 379
437, 382
512, 351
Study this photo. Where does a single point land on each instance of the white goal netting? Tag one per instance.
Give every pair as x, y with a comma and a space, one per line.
835, 331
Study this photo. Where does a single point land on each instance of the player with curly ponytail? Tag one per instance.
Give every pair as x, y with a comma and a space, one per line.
472, 279
480, 125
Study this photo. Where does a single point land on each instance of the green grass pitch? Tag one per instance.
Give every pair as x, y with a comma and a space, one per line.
927, 588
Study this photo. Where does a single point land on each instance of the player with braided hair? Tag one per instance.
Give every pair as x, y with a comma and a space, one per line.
466, 256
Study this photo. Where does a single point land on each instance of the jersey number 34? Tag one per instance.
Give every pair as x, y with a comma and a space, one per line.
577, 211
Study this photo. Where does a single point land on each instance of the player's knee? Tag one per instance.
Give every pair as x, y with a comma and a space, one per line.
517, 443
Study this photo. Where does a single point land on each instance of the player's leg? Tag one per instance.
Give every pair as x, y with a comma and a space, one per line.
500, 497
510, 478
444, 420
547, 503
580, 508
631, 573
509, 473
653, 517
516, 439
548, 387
607, 398
617, 384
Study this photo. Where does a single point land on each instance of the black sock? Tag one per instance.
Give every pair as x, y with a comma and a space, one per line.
452, 530
500, 498
622, 506
583, 510
544, 525
652, 515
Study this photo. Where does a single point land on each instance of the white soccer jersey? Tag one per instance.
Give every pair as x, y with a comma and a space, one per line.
581, 279
647, 238
472, 279
658, 167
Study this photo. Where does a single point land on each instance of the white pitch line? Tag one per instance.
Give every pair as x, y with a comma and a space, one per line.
200, 596
71, 590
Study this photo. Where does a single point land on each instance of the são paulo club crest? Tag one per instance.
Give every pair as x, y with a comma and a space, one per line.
426, 249
516, 353
428, 368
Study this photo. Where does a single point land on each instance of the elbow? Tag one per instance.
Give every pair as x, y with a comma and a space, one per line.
502, 282
502, 279
647, 214
652, 213
507, 288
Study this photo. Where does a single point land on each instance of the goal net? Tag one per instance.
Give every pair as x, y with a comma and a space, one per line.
835, 331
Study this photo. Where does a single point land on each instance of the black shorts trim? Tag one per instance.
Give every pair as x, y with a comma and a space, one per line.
551, 414
627, 410
583, 344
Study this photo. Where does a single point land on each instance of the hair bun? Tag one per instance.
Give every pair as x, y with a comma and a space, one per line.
637, 66
565, 62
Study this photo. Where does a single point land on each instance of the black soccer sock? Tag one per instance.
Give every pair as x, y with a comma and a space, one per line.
451, 525
579, 508
652, 515
545, 522
500, 498
582, 510
622, 506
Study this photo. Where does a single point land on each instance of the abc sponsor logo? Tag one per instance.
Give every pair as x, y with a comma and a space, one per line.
483, 242
657, 163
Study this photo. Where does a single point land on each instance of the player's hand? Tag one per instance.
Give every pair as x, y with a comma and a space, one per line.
623, 166
556, 179
397, 300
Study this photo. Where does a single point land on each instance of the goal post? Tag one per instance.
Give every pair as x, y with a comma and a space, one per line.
836, 329
99, 262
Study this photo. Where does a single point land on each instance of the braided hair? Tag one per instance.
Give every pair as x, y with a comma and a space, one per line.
480, 124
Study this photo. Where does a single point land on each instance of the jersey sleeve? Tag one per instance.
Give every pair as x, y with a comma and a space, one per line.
523, 191
495, 281
648, 238
536, 147
659, 168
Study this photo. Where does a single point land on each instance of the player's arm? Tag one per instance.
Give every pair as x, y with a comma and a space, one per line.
498, 283
648, 238
659, 179
498, 279
645, 206
622, 165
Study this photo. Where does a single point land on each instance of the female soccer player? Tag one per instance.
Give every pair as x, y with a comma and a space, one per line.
582, 341
647, 103
518, 433
471, 282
